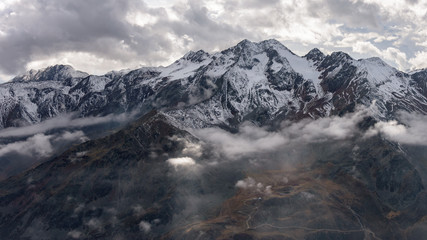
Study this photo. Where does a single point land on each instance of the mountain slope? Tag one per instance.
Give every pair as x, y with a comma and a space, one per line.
152, 180
99, 187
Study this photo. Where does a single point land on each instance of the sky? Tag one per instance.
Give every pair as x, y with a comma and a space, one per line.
97, 36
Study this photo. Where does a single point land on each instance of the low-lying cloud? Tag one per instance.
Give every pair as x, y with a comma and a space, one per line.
252, 185
252, 139
22, 154
41, 145
412, 129
64, 121
37, 145
181, 161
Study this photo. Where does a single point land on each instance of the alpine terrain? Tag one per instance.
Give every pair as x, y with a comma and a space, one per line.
253, 142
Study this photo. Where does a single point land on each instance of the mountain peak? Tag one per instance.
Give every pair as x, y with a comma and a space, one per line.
244, 42
250, 46
57, 72
272, 42
341, 55
315, 55
197, 56
376, 60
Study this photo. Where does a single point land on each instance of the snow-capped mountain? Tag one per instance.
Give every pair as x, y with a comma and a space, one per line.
259, 82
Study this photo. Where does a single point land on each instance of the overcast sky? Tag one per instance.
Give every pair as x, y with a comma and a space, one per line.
97, 36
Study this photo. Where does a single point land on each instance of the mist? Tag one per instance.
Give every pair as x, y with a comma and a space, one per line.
64, 121
258, 162
20, 155
204, 180
28, 146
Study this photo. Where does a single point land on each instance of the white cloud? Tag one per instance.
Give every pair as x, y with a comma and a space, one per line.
251, 139
420, 60
191, 149
75, 234
250, 184
412, 129
78, 136
95, 224
84, 61
366, 48
63, 121
38, 145
246, 183
41, 145
138, 210
394, 54
181, 161
145, 226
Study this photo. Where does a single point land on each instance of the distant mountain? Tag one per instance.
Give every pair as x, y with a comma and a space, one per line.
259, 82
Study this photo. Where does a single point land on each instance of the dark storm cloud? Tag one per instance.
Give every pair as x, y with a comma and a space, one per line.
202, 29
41, 28
126, 34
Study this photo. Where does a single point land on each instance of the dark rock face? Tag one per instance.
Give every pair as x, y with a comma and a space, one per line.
420, 79
315, 55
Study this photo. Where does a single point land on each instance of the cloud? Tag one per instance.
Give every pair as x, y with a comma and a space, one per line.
95, 224
252, 139
145, 226
72, 136
22, 154
45, 30
252, 185
354, 13
41, 145
26, 146
100, 35
138, 210
191, 149
38, 145
63, 121
366, 48
419, 61
410, 130
181, 162
75, 234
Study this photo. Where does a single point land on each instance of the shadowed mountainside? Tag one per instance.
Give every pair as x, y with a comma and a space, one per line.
139, 183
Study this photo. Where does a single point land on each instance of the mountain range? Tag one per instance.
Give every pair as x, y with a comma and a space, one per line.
258, 82
253, 142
